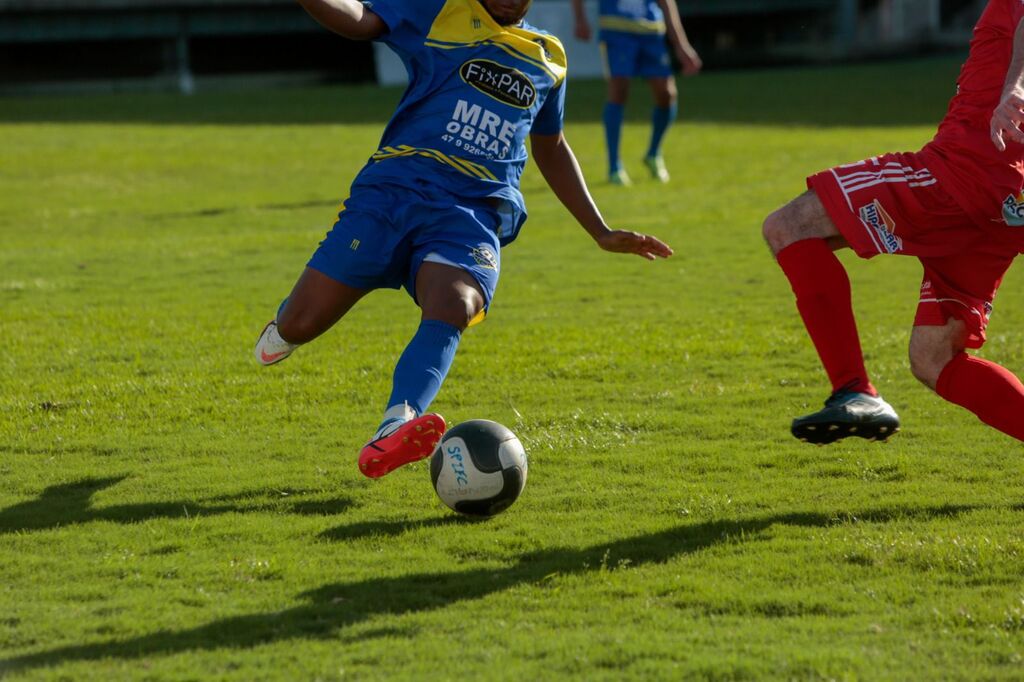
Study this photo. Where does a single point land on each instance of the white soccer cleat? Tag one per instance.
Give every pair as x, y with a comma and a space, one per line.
656, 165
620, 178
271, 348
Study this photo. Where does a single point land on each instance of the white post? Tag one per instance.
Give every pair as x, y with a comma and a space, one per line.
186, 83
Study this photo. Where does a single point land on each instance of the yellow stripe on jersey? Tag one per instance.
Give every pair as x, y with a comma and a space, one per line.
465, 167
465, 23
641, 26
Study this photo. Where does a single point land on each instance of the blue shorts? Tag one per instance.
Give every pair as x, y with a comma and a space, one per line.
628, 55
385, 232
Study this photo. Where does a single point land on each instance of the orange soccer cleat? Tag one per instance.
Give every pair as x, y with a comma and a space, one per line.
400, 443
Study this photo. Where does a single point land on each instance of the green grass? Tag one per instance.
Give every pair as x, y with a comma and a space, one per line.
170, 511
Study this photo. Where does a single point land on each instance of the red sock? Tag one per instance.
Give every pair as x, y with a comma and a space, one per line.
986, 389
823, 297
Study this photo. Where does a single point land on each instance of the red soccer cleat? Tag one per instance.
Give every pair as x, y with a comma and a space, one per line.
412, 441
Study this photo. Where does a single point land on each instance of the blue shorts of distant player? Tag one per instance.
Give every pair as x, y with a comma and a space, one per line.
387, 231
631, 55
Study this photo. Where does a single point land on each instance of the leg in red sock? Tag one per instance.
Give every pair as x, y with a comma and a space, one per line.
991, 392
802, 236
823, 298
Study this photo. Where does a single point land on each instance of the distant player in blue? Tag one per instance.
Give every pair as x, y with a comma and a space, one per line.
434, 205
633, 43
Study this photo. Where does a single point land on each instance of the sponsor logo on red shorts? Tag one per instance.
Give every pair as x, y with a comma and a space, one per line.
1013, 210
876, 218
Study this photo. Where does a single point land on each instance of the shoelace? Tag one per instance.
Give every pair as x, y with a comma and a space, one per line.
388, 428
841, 392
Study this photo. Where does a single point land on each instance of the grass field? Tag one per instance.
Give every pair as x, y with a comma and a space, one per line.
170, 511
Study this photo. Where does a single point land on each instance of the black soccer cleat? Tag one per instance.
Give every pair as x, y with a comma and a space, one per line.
848, 414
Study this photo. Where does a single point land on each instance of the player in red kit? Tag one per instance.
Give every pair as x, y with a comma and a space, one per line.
958, 206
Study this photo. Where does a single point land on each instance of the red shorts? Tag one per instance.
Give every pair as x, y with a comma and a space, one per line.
893, 204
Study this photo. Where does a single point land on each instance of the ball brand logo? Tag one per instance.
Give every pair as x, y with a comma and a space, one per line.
1013, 210
876, 218
456, 462
503, 83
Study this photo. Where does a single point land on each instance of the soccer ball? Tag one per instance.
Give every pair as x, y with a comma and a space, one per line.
479, 468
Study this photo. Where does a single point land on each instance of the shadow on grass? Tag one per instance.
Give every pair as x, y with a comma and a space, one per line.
71, 503
219, 211
388, 529
335, 606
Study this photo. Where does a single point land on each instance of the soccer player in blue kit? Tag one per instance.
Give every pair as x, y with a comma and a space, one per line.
434, 205
632, 34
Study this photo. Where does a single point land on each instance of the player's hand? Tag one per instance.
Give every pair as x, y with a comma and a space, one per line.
582, 31
644, 245
690, 61
1007, 119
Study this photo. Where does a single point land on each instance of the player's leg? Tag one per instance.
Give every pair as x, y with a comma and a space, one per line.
665, 94
613, 116
932, 347
621, 53
952, 317
990, 391
315, 304
358, 255
802, 236
451, 299
452, 273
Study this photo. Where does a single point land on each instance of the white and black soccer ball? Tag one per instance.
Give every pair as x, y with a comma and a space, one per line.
479, 468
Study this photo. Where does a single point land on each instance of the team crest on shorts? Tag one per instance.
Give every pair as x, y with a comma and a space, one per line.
485, 258
877, 219
1013, 210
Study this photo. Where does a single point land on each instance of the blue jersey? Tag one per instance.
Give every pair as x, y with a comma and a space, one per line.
642, 17
476, 90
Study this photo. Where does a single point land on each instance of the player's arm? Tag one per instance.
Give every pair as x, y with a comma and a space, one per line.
1009, 115
582, 24
685, 53
348, 18
558, 165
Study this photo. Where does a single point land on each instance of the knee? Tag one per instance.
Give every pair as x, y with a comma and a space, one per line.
803, 218
778, 230
930, 351
457, 309
925, 367
618, 91
297, 326
667, 96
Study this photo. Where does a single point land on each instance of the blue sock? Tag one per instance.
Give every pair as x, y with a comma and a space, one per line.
660, 122
424, 365
280, 309
613, 115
